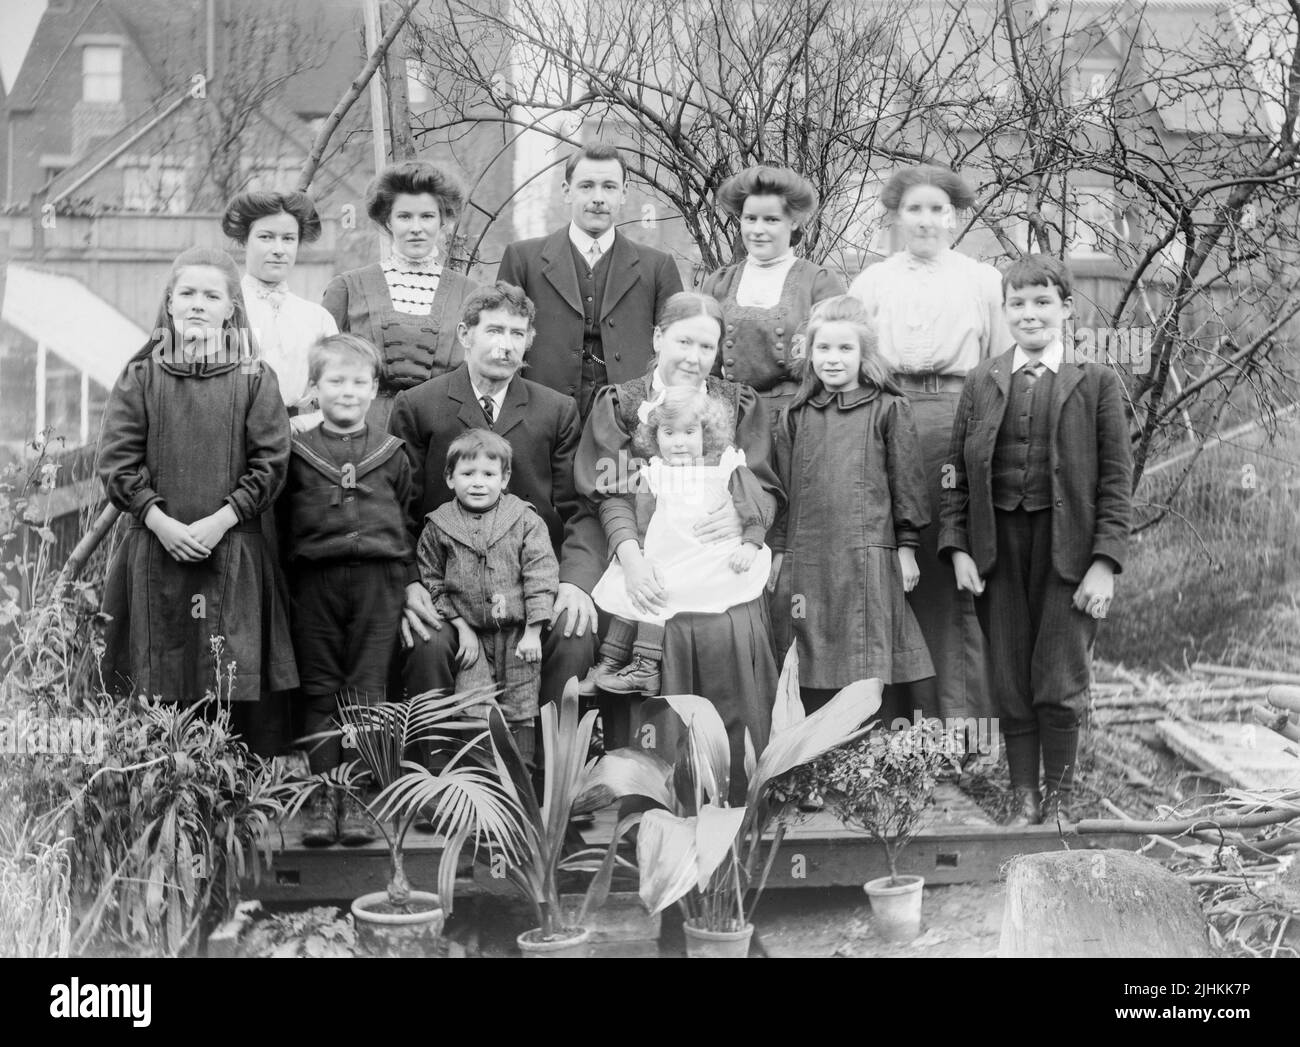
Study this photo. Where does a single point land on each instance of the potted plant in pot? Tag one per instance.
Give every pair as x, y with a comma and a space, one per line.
461, 800
548, 844
884, 784
712, 858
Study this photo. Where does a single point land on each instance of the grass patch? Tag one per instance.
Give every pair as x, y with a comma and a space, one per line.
1219, 581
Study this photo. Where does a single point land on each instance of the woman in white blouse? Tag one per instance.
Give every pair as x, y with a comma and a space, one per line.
766, 298
938, 313
270, 226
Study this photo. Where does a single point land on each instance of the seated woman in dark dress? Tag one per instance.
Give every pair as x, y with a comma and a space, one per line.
726, 657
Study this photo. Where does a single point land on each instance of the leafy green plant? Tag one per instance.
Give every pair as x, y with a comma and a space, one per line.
883, 783
319, 932
571, 785
35, 894
49, 649
462, 799
711, 857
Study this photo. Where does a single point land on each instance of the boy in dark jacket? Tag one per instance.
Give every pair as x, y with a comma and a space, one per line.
1036, 522
351, 557
487, 561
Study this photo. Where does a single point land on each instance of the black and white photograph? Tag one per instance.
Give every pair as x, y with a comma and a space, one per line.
629, 479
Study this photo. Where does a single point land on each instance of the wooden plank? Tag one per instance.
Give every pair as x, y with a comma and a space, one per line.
818, 852
1247, 754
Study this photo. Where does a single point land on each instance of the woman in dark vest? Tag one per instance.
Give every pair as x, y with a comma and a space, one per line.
408, 305
767, 297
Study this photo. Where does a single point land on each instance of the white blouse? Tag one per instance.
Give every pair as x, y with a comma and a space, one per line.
760, 286
942, 315
285, 326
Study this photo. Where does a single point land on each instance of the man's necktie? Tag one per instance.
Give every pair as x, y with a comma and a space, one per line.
488, 409
593, 256
1032, 371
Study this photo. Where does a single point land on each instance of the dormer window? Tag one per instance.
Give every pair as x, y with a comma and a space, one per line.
101, 73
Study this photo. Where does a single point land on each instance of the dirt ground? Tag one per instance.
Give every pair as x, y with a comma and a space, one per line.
962, 920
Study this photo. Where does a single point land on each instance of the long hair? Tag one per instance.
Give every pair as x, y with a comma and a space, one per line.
873, 370
236, 333
680, 405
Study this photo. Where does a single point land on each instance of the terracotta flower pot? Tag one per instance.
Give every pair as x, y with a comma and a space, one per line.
896, 908
574, 943
383, 932
702, 944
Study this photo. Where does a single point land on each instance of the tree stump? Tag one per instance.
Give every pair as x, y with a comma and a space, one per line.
1099, 903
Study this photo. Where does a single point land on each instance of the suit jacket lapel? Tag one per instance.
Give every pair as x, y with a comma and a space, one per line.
558, 268
514, 409
1002, 378
470, 411
1067, 377
624, 271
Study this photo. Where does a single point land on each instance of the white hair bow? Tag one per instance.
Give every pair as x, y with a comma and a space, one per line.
643, 412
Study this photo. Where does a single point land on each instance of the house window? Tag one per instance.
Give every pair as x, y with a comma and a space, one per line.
155, 188
101, 73
418, 94
272, 175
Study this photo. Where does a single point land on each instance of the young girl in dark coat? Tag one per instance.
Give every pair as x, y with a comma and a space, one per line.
195, 448
844, 549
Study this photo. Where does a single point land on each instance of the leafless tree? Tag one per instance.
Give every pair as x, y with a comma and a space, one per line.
1163, 152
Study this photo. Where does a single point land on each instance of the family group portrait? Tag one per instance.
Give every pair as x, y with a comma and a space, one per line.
652, 479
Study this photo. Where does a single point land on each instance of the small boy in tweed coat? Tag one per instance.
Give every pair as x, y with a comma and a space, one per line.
487, 561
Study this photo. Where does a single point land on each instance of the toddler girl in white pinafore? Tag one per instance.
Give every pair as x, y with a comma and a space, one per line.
694, 471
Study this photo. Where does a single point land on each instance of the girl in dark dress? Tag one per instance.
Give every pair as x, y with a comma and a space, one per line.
727, 657
848, 457
194, 450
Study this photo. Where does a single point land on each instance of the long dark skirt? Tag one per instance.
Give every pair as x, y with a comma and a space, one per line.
726, 658
946, 616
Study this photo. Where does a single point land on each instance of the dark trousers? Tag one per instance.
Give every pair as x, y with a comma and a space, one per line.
590, 382
345, 616
431, 663
345, 620
1040, 647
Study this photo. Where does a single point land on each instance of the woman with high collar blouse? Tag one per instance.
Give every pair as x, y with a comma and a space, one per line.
766, 298
408, 305
270, 226
937, 314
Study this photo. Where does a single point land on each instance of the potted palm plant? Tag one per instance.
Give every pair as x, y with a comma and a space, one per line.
549, 845
712, 858
462, 800
884, 785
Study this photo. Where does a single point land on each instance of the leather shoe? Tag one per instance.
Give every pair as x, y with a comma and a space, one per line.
1056, 809
641, 676
355, 825
1028, 807
321, 828
589, 685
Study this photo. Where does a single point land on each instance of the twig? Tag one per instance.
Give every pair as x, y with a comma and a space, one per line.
1176, 827
1267, 675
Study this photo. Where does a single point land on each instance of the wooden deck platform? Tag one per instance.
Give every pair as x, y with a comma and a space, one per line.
959, 845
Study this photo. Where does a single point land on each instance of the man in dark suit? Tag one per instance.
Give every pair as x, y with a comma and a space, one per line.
1036, 522
541, 426
597, 293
